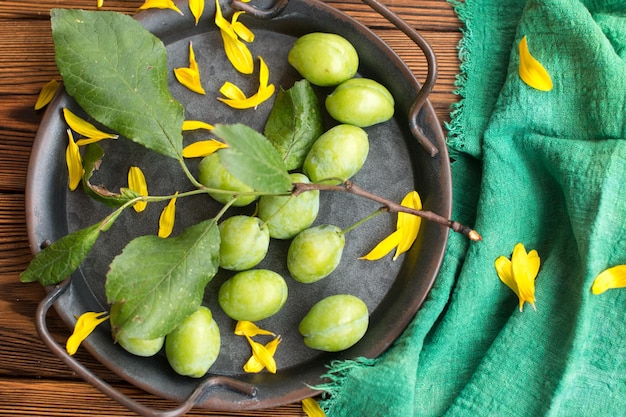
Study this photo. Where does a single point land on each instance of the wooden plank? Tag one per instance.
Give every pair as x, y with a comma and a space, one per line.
23, 397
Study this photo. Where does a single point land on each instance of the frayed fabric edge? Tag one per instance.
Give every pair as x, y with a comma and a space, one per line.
337, 372
456, 137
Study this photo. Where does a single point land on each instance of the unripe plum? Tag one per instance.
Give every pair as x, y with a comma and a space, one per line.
193, 346
338, 153
360, 102
286, 216
324, 59
335, 323
315, 252
212, 174
244, 242
253, 295
140, 347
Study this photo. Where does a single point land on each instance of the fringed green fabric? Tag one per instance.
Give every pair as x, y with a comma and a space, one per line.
542, 168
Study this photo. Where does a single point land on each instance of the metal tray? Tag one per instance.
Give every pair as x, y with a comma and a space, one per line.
406, 153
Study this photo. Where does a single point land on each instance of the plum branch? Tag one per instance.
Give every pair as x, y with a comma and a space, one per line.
391, 206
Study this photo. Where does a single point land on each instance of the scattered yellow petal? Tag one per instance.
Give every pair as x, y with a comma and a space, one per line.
166, 221
160, 4
519, 273
236, 51
46, 94
235, 98
196, 124
197, 8
240, 29
85, 324
74, 162
190, 77
531, 71
247, 328
407, 228
312, 408
262, 356
614, 277
409, 223
100, 3
86, 129
137, 183
202, 148
384, 247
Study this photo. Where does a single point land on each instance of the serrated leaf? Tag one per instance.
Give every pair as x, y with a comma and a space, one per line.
59, 260
117, 72
252, 159
158, 282
294, 123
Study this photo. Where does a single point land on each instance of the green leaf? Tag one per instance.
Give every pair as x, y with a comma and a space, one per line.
252, 159
158, 282
91, 159
59, 260
294, 123
117, 72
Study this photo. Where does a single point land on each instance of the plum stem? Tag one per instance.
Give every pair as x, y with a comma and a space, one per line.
391, 206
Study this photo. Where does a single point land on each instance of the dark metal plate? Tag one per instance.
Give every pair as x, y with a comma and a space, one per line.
392, 290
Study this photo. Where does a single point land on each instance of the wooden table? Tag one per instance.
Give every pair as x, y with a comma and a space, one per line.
32, 380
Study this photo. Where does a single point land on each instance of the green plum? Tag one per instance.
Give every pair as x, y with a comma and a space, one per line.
213, 174
360, 102
339, 153
253, 295
141, 347
286, 216
193, 346
315, 252
335, 323
244, 242
324, 59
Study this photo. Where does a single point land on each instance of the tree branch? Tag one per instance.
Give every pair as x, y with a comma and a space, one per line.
351, 188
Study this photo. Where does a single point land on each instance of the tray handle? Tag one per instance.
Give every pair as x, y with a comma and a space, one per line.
195, 398
408, 30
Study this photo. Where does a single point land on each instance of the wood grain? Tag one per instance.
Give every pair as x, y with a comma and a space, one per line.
32, 380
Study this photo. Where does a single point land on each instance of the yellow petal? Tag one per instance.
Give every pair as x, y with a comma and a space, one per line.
84, 128
166, 221
47, 93
202, 148
232, 92
237, 53
160, 4
247, 328
505, 273
137, 183
196, 124
614, 277
312, 408
525, 267
219, 17
197, 8
531, 71
85, 324
237, 99
190, 77
262, 356
74, 162
240, 29
100, 3
409, 223
384, 247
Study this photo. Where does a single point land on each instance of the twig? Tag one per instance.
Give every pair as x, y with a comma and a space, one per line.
351, 188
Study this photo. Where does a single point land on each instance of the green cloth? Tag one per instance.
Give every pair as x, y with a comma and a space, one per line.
543, 168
